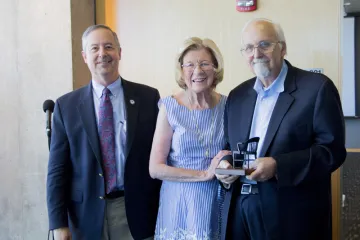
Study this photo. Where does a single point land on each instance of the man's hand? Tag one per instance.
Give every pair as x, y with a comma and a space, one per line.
62, 234
265, 168
226, 179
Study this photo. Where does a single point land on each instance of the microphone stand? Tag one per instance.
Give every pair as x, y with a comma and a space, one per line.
48, 133
48, 108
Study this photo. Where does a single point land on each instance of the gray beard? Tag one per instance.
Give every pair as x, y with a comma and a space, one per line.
262, 70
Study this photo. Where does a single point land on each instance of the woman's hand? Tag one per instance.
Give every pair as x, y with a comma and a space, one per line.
210, 172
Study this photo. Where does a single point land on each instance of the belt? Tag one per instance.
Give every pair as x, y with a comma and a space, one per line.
249, 189
115, 194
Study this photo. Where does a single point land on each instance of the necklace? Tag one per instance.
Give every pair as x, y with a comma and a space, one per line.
199, 135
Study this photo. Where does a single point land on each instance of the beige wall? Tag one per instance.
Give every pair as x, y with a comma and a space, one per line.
151, 32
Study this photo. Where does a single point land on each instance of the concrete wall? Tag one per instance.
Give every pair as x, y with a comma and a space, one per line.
36, 64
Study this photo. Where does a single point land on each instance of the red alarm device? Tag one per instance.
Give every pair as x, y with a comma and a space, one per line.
246, 5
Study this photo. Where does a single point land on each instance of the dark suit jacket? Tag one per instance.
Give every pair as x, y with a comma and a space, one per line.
75, 183
306, 138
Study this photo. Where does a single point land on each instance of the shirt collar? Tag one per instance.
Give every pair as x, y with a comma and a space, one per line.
114, 88
277, 86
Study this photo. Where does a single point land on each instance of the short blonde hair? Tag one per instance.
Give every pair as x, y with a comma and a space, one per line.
195, 43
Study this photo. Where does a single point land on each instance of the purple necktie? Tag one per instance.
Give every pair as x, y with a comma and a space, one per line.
107, 140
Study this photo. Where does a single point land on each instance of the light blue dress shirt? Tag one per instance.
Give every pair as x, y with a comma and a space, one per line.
117, 100
265, 103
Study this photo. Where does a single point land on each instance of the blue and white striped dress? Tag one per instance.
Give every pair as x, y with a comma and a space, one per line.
190, 210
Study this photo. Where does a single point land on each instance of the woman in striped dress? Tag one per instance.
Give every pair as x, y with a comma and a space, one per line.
187, 146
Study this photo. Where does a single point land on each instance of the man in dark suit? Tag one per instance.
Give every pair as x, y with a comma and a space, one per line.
298, 117
98, 183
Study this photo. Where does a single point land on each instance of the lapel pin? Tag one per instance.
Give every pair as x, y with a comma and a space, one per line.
132, 101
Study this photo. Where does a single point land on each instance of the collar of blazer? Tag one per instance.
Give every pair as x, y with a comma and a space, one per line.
132, 102
290, 80
283, 104
87, 115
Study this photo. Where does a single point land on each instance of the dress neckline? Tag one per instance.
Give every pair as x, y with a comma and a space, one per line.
198, 110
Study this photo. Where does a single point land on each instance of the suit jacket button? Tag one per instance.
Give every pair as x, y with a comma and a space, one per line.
100, 175
101, 197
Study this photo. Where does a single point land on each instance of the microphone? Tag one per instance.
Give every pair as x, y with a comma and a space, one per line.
48, 107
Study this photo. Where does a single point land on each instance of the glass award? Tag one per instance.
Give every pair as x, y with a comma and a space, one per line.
242, 159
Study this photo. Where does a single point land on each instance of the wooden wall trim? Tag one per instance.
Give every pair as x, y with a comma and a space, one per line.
336, 204
353, 150
106, 12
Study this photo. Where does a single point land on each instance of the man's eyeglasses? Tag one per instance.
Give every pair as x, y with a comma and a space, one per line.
190, 67
263, 47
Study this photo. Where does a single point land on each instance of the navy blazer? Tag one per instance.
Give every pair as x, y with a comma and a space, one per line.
306, 137
75, 183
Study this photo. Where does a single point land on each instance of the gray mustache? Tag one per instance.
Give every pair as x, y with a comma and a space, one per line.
105, 59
